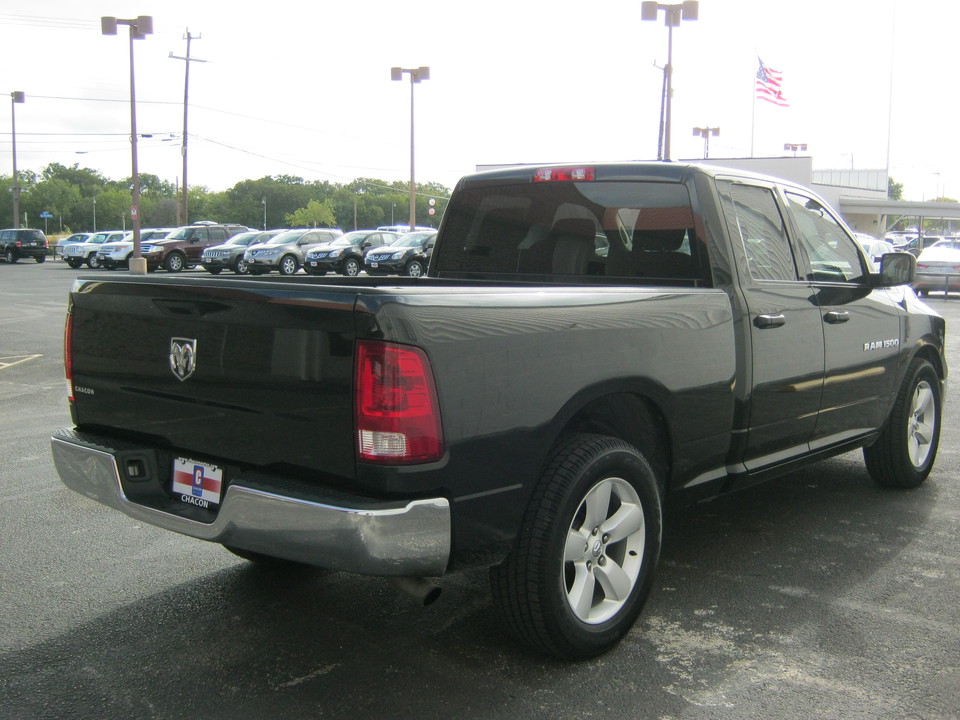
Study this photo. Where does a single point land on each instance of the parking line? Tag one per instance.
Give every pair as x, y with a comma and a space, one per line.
10, 361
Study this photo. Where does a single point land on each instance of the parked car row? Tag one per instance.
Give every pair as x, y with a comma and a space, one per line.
218, 247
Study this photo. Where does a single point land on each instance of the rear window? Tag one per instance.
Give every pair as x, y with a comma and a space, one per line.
596, 231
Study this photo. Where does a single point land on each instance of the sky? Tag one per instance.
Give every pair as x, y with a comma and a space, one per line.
304, 89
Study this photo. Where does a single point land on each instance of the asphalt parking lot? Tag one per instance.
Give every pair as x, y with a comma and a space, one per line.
817, 595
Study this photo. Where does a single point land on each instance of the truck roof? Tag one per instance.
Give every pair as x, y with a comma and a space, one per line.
650, 170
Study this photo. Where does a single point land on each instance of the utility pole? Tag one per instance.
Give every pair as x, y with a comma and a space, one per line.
182, 210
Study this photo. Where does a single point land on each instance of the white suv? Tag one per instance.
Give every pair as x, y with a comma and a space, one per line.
116, 254
86, 252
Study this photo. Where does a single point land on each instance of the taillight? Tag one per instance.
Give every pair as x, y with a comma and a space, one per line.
68, 354
568, 174
396, 408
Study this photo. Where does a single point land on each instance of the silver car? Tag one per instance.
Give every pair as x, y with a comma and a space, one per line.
286, 251
229, 255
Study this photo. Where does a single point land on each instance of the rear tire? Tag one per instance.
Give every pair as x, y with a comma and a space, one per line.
41, 258
904, 453
11, 257
583, 563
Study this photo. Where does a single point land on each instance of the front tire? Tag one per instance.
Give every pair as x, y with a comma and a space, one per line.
11, 257
240, 267
415, 269
904, 453
174, 263
583, 564
93, 262
288, 265
351, 267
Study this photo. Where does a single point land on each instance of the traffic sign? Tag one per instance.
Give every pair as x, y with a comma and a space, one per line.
45, 214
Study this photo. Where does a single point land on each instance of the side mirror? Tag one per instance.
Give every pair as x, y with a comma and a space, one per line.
897, 268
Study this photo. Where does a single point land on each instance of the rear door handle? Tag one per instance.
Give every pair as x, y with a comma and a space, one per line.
835, 317
769, 321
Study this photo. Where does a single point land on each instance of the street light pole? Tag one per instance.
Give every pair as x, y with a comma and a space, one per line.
140, 27
705, 133
416, 75
15, 97
673, 14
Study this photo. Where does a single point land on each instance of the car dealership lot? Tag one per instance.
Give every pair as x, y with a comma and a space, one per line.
816, 595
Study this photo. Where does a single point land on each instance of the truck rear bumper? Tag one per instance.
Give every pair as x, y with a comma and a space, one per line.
336, 531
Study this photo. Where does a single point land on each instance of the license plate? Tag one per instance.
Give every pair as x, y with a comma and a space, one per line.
312, 264
373, 264
197, 483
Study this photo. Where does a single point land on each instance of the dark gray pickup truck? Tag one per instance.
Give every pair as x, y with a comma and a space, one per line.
587, 342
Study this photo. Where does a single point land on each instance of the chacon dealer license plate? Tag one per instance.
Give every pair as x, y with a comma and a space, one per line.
197, 483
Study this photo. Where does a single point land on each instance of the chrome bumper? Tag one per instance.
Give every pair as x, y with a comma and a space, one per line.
398, 538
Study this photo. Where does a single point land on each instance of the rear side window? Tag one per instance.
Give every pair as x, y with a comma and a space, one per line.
761, 229
593, 230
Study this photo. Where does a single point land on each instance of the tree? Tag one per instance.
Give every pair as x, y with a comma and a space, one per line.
315, 214
76, 195
113, 209
57, 197
894, 189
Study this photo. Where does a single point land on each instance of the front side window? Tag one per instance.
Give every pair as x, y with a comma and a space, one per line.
832, 253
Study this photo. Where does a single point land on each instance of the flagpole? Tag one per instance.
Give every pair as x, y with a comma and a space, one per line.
893, 37
753, 111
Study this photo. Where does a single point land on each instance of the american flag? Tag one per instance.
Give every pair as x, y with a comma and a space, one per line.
768, 85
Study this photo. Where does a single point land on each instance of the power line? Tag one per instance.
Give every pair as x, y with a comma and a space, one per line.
40, 21
208, 109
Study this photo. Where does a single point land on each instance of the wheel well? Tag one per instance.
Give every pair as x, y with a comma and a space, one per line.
933, 357
634, 419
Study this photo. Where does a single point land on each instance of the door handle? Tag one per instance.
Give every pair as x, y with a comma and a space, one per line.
769, 321
835, 317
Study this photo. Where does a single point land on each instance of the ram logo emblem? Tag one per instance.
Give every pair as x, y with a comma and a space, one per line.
183, 357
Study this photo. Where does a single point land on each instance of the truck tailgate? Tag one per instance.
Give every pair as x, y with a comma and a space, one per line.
251, 371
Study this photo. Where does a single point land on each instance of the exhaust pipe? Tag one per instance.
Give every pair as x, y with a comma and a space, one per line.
424, 591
